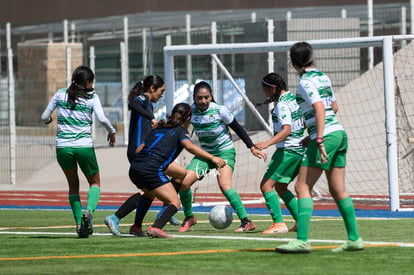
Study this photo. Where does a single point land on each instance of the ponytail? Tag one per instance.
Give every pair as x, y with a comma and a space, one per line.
81, 76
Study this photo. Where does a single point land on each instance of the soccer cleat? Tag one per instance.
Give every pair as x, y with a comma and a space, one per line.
157, 233
174, 221
294, 228
246, 225
137, 231
350, 246
276, 228
112, 222
87, 221
80, 230
187, 223
294, 246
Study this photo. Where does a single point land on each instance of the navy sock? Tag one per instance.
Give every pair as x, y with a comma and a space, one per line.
169, 211
143, 205
128, 206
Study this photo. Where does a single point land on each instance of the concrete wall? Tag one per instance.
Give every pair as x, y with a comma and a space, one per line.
41, 71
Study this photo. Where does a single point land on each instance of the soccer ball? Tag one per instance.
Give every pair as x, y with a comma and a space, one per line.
220, 217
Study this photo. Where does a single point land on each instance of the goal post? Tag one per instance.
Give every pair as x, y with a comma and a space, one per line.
385, 42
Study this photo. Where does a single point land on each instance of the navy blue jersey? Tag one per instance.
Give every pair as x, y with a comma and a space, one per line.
161, 148
140, 123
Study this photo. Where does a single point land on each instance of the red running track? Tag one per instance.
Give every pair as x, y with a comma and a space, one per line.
60, 199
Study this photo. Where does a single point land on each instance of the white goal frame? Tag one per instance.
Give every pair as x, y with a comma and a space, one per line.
386, 42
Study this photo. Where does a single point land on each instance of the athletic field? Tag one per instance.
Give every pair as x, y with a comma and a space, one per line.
38, 237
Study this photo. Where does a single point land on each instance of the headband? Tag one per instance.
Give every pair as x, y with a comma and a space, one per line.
268, 84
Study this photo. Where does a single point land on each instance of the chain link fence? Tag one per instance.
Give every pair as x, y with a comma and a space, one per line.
40, 63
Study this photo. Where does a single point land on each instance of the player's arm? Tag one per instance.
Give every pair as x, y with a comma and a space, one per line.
199, 152
335, 106
239, 130
137, 105
97, 108
280, 136
320, 126
46, 115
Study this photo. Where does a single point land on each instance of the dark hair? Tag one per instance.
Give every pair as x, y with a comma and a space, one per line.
180, 113
301, 55
143, 86
203, 85
81, 76
275, 80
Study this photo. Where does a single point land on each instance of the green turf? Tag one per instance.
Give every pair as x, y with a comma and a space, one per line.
188, 253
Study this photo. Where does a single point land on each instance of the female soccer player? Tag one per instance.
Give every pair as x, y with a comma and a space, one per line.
142, 120
159, 150
284, 166
74, 146
326, 152
211, 122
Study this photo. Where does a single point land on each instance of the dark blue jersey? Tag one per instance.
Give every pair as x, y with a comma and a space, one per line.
139, 124
161, 148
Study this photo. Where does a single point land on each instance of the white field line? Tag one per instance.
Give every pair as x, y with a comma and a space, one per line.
243, 238
288, 219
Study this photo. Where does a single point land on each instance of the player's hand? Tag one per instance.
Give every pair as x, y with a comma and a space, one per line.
49, 121
154, 123
111, 139
219, 162
261, 145
323, 156
258, 154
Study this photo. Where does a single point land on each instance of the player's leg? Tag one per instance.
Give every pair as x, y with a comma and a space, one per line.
290, 201
67, 161
129, 205
75, 200
283, 169
177, 174
336, 177
166, 194
195, 170
304, 184
273, 205
186, 198
224, 180
89, 165
144, 204
274, 172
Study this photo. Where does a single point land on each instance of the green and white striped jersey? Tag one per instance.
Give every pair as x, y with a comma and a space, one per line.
74, 127
211, 127
288, 112
316, 86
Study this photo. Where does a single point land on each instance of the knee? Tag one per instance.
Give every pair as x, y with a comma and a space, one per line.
177, 204
266, 186
302, 189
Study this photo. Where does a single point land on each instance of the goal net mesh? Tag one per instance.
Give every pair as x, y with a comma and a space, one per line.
360, 94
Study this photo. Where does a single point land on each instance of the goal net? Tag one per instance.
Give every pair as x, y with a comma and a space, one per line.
378, 115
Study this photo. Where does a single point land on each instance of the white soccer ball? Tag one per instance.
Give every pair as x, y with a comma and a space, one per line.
220, 217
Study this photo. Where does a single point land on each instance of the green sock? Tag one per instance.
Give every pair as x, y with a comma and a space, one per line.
186, 197
305, 207
93, 198
76, 205
273, 204
291, 203
234, 198
346, 207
